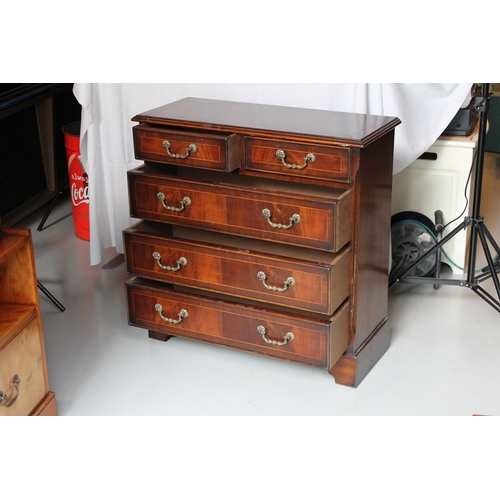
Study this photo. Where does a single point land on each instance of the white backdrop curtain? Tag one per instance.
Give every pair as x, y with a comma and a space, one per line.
425, 110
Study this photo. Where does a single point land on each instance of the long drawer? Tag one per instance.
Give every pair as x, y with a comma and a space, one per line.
263, 209
303, 339
309, 280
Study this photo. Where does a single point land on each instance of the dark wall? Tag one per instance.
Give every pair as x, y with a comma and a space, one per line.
22, 175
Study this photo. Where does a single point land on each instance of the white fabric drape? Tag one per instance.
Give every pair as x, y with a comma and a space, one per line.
425, 110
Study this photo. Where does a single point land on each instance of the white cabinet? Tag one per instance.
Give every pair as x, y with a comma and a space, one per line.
438, 180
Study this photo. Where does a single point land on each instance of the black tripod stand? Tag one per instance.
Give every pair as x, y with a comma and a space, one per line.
478, 230
41, 228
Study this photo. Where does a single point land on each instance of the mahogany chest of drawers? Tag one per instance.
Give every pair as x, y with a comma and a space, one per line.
265, 229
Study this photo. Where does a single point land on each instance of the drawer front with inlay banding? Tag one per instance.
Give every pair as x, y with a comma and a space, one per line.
298, 159
259, 271
201, 150
303, 339
296, 218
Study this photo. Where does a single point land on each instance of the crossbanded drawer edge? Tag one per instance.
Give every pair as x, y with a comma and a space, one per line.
220, 324
328, 163
210, 264
213, 150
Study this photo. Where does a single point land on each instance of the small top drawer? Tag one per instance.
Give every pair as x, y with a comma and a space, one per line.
297, 159
194, 149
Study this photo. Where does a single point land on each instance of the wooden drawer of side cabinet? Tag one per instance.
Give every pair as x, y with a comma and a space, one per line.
47, 407
244, 206
240, 267
288, 336
298, 159
22, 380
196, 149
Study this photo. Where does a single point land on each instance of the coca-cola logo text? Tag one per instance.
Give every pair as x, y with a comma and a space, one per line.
79, 195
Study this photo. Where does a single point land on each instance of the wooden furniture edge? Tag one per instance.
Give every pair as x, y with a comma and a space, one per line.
351, 369
47, 407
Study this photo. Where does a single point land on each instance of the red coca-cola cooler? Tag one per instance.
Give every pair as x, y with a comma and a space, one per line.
78, 181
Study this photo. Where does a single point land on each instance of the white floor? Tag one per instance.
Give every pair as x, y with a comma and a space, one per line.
444, 357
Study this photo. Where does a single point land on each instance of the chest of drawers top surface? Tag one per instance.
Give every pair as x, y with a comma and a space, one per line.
332, 127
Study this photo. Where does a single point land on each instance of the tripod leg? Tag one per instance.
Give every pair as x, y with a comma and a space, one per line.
491, 264
51, 297
439, 230
492, 273
496, 260
47, 213
396, 270
492, 241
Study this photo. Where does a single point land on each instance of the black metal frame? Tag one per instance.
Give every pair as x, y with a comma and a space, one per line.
52, 204
478, 229
51, 297
41, 228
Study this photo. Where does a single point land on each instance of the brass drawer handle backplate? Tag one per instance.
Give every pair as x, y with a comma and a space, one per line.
295, 218
289, 336
181, 262
190, 149
288, 282
5, 399
184, 203
309, 158
182, 314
